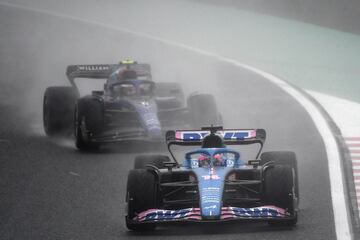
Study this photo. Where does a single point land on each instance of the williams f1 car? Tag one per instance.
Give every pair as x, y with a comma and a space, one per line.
130, 107
213, 183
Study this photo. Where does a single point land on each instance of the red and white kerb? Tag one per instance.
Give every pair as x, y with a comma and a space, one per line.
353, 144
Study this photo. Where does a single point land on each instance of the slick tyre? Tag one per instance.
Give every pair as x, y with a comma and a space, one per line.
141, 196
283, 158
156, 160
88, 121
58, 109
279, 184
203, 110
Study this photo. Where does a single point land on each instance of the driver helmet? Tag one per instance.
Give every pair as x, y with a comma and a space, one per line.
204, 160
212, 141
126, 74
218, 160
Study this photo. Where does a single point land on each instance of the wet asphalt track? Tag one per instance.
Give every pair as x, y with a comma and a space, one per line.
48, 190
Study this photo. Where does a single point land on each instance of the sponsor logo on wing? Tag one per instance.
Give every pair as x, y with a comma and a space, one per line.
227, 135
236, 135
93, 68
193, 136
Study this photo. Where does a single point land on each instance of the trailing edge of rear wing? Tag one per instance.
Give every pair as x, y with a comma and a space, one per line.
230, 136
103, 71
90, 71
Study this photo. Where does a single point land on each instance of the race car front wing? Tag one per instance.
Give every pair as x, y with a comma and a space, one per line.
227, 213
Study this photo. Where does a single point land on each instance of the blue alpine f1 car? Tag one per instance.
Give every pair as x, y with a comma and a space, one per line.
130, 107
213, 183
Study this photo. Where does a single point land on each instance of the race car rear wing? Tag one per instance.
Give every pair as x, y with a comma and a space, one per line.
230, 137
103, 71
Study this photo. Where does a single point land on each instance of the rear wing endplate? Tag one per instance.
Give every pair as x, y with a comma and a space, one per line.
230, 136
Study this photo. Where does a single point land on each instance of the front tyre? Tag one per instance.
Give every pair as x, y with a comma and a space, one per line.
283, 158
88, 121
141, 196
279, 191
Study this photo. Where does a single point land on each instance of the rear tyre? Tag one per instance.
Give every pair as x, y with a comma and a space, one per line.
203, 110
58, 109
141, 196
88, 121
279, 191
283, 158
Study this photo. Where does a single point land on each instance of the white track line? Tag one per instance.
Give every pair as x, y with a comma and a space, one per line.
340, 209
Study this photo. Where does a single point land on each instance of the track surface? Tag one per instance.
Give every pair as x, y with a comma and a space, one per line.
48, 190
